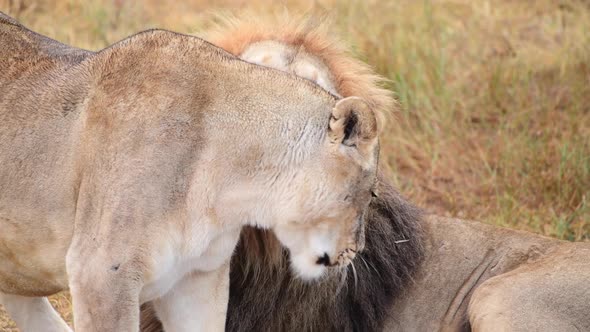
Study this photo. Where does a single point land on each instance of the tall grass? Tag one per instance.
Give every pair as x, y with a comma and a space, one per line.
495, 120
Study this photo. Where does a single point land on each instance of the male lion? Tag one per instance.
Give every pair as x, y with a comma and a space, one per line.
134, 168
416, 273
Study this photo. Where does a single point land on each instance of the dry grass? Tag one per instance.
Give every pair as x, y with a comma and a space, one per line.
495, 95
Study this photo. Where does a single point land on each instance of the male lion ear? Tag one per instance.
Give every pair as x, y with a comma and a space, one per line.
352, 123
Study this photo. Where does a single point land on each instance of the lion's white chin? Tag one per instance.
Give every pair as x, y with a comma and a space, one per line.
306, 268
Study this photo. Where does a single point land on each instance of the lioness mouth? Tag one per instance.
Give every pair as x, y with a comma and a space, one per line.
344, 258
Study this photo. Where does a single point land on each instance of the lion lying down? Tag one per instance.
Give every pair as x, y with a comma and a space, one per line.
416, 273
134, 169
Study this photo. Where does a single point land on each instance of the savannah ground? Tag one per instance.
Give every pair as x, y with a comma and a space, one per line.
494, 117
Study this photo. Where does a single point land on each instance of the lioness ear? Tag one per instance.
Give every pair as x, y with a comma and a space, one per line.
352, 123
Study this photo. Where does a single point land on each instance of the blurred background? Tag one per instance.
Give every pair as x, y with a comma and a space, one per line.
494, 118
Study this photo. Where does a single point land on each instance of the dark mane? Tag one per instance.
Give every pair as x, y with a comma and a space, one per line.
266, 297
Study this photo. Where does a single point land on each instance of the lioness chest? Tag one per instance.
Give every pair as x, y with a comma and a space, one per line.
35, 265
206, 251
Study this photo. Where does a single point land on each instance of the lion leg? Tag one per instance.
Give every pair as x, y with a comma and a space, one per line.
198, 302
104, 302
105, 285
33, 314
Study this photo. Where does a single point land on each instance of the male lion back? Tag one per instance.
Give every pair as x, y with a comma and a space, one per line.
551, 294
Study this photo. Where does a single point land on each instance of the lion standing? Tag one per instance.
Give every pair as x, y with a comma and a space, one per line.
128, 173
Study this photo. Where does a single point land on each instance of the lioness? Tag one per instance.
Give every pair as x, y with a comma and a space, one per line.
133, 169
416, 273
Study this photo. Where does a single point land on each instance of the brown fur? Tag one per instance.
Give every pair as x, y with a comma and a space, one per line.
451, 275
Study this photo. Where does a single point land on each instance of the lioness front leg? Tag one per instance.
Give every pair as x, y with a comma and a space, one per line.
198, 302
105, 289
33, 314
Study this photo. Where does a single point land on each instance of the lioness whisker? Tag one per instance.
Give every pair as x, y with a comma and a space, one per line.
343, 274
354, 274
365, 262
372, 266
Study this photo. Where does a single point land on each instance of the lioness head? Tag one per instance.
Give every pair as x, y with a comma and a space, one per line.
321, 213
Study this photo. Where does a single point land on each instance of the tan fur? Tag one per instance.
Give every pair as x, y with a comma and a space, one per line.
473, 276
118, 168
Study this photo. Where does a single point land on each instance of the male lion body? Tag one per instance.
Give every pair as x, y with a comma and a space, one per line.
416, 273
118, 168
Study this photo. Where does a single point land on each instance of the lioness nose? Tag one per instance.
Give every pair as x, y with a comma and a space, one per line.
324, 260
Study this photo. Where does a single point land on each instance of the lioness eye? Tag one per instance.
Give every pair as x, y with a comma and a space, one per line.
374, 194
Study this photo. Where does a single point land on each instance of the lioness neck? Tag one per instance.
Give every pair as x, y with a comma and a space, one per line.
244, 108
